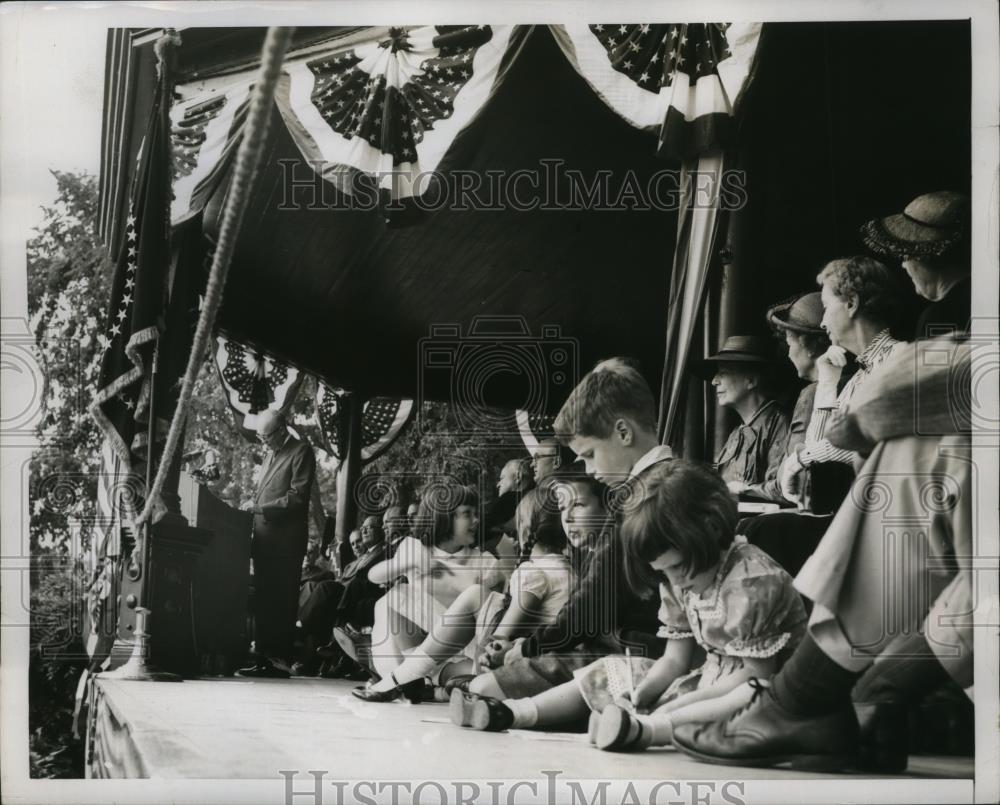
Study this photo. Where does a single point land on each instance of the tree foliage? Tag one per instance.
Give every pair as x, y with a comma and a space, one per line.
69, 279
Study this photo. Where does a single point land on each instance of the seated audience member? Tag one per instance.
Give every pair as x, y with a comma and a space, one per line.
806, 716
513, 484
798, 323
716, 590
539, 587
396, 526
790, 537
550, 457
315, 569
439, 562
609, 422
860, 300
931, 239
738, 373
336, 602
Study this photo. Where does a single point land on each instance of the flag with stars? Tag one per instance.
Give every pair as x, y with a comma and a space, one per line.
382, 420
391, 108
204, 135
254, 382
138, 294
682, 80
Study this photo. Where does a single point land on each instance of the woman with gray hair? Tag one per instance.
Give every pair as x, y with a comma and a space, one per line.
860, 300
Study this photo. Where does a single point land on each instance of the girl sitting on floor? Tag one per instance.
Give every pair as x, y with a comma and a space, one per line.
736, 603
439, 562
603, 615
539, 587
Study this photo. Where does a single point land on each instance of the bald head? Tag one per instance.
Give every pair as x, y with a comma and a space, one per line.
271, 429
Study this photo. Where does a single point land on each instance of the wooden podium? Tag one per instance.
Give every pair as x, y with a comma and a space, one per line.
221, 579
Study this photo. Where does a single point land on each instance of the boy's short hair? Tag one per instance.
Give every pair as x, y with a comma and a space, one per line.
613, 389
684, 506
438, 504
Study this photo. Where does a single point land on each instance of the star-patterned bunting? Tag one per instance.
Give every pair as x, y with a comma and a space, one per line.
254, 382
382, 420
681, 79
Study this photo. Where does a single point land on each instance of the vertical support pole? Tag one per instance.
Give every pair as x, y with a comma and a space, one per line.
350, 467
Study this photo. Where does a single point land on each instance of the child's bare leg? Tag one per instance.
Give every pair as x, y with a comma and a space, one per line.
392, 634
449, 635
456, 669
486, 685
557, 705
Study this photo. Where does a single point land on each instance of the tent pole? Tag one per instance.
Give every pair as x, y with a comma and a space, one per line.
350, 469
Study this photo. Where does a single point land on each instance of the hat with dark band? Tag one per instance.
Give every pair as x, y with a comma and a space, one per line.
747, 350
800, 314
930, 225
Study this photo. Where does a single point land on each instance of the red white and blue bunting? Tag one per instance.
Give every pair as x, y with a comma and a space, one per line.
254, 382
682, 79
391, 108
382, 420
204, 134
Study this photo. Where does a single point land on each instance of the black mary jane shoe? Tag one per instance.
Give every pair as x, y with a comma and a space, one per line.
614, 730
411, 691
479, 712
263, 671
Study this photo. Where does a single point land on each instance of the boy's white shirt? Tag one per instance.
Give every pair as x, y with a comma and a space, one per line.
657, 454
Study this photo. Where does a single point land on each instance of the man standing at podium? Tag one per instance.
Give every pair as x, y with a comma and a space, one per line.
280, 535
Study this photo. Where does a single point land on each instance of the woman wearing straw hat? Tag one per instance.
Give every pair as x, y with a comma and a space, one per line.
797, 321
931, 239
739, 372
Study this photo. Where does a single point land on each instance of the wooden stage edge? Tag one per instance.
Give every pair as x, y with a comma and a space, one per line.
247, 729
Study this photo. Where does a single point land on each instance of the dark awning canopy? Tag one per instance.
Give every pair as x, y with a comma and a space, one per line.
364, 305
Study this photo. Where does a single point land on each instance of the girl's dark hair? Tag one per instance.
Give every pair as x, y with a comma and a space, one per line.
813, 343
684, 506
545, 530
432, 523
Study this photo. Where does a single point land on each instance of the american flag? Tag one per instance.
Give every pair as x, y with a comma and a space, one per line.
133, 324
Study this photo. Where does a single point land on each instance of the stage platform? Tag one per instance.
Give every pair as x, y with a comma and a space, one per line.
253, 729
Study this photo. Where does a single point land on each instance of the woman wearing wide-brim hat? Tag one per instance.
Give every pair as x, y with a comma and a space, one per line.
797, 322
740, 372
931, 239
791, 536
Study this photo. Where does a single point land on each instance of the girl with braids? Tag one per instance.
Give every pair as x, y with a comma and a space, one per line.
539, 587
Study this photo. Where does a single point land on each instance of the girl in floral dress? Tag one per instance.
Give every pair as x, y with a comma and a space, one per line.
717, 592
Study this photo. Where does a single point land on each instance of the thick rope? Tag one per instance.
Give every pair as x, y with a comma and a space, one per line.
247, 160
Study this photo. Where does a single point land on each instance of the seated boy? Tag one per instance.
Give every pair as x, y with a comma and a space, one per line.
609, 422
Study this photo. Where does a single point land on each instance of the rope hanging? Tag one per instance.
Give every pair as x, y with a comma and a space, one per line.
247, 160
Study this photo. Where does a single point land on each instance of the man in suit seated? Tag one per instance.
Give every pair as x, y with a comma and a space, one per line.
280, 534
349, 600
